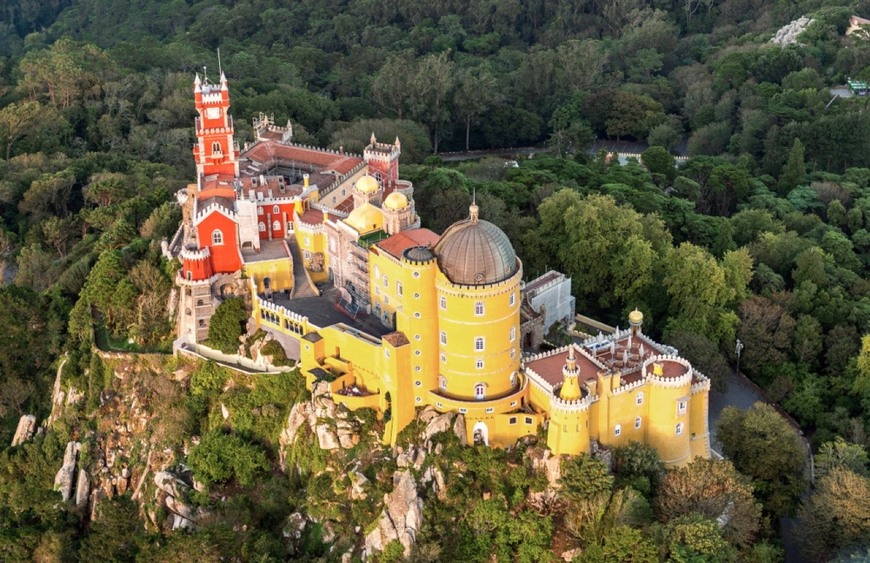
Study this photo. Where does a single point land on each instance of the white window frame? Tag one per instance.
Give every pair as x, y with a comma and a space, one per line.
443, 337
479, 343
442, 382
217, 237
399, 289
479, 309
276, 225
639, 399
442, 303
617, 430
513, 299
480, 392
276, 209
679, 429
682, 407
513, 333
479, 363
637, 422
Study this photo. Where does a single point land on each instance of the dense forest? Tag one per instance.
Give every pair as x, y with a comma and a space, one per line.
761, 235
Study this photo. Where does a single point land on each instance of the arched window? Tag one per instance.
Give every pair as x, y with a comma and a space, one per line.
479, 344
637, 422
478, 308
617, 430
679, 429
276, 210
259, 211
262, 227
480, 391
443, 337
276, 226
216, 148
217, 237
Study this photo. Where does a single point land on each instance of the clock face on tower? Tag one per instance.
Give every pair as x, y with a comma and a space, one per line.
213, 113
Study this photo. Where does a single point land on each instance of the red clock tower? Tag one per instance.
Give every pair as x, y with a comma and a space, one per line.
215, 151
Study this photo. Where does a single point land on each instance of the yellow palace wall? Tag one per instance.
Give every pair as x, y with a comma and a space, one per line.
279, 272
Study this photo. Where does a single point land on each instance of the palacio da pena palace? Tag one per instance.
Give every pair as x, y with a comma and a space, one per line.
327, 249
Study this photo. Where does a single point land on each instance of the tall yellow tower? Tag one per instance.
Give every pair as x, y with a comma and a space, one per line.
478, 292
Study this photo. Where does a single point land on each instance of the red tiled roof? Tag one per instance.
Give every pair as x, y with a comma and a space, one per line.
325, 160
550, 367
402, 241
315, 217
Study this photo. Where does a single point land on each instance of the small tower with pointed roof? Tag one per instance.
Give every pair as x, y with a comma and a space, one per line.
570, 379
383, 160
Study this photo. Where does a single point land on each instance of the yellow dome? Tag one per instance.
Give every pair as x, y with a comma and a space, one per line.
395, 201
367, 185
635, 317
365, 219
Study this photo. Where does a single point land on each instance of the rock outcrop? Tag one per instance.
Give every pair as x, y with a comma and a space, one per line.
24, 431
401, 518
63, 480
788, 34
334, 428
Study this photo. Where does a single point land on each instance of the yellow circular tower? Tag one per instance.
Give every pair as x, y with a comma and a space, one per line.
478, 290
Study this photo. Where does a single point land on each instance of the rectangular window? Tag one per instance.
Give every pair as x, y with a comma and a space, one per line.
639, 399
681, 407
443, 337
490, 410
637, 422
512, 420
442, 302
479, 344
478, 308
679, 429
513, 333
617, 430
513, 353
513, 299
479, 364
386, 281
443, 358
399, 289
528, 420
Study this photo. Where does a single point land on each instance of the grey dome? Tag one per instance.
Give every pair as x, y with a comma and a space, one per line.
419, 254
475, 252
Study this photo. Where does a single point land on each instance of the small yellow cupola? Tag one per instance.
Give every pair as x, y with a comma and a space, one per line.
365, 219
395, 201
570, 385
635, 321
367, 185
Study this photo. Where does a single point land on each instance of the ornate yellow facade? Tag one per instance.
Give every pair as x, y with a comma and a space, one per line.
450, 310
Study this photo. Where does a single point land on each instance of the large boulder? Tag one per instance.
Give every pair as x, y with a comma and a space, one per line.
326, 438
83, 490
459, 429
437, 424
401, 518
170, 484
24, 431
63, 480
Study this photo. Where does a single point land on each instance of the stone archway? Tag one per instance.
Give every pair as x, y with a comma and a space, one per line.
480, 433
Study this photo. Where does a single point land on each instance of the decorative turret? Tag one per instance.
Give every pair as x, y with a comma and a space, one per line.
635, 321
383, 160
366, 190
570, 385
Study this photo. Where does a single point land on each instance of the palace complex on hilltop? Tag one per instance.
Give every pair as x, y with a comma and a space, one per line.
328, 249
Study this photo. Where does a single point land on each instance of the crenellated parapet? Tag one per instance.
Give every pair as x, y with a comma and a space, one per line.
663, 379
573, 406
203, 212
195, 255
